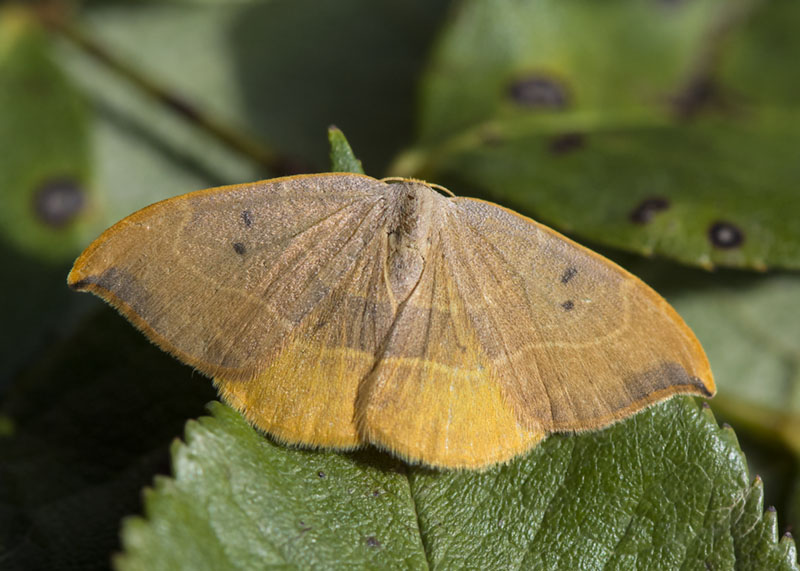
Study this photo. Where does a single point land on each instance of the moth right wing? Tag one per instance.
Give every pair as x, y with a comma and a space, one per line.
576, 341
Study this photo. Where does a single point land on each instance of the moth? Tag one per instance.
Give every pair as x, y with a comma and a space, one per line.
337, 310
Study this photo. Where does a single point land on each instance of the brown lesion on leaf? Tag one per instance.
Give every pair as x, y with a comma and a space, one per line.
239, 248
646, 210
725, 235
58, 201
566, 143
699, 94
247, 218
568, 305
539, 91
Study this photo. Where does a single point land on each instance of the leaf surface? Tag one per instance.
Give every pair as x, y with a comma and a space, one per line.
672, 139
667, 488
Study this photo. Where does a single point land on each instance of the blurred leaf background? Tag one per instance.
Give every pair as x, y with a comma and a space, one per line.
664, 133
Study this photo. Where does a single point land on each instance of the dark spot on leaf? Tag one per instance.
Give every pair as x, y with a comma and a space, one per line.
239, 248
725, 235
700, 93
568, 305
247, 218
568, 274
58, 201
647, 209
180, 106
538, 91
566, 142
705, 405
321, 474
726, 426
376, 493
372, 541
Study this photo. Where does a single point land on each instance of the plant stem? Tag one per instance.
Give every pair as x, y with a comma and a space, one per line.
228, 135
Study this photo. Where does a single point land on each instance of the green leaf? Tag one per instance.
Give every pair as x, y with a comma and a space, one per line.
664, 489
44, 145
284, 73
756, 58
508, 59
342, 157
650, 188
47, 202
649, 143
752, 337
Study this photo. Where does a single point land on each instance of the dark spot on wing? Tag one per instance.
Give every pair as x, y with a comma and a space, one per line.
538, 91
647, 209
372, 541
566, 142
247, 218
568, 305
568, 274
239, 248
58, 201
725, 235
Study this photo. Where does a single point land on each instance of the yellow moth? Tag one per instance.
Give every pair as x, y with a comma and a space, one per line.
337, 310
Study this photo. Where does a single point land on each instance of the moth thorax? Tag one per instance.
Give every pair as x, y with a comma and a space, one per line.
409, 236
